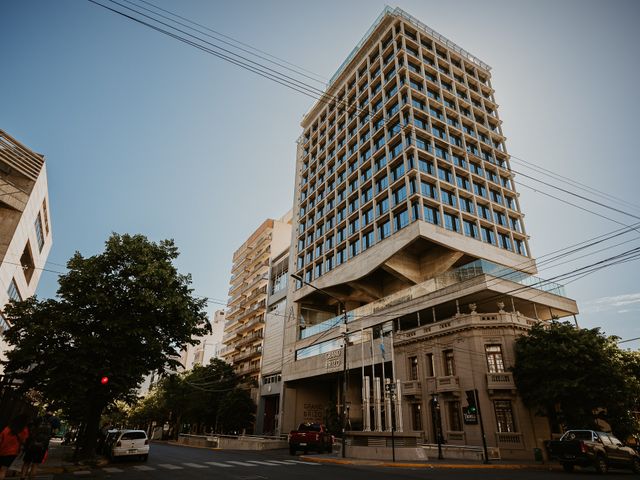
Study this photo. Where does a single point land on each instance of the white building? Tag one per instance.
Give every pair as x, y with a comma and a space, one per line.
25, 225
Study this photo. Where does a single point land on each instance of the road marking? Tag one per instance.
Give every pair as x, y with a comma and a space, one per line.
218, 464
261, 462
243, 464
143, 468
281, 462
168, 466
300, 461
194, 465
113, 470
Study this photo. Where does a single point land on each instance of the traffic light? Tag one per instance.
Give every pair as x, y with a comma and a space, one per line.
471, 401
104, 380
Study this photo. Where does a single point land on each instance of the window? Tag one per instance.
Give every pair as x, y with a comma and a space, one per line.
413, 368
46, 216
494, 358
449, 363
13, 292
431, 215
455, 422
401, 219
431, 372
4, 326
504, 416
451, 222
416, 416
470, 228
425, 166
367, 240
383, 206
487, 235
354, 248
39, 232
399, 194
384, 230
445, 174
449, 197
428, 190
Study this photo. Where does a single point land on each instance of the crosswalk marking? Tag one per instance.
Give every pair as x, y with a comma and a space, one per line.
168, 466
282, 462
194, 465
112, 470
261, 462
301, 462
218, 464
243, 464
143, 468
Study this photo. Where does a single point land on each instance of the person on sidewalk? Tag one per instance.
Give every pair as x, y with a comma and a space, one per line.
36, 447
12, 438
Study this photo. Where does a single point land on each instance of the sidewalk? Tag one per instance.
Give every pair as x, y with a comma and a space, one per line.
60, 460
433, 463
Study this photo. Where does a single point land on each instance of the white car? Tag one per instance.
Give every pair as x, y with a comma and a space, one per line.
131, 442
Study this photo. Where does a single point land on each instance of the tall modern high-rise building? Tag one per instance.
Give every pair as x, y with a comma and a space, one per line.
25, 225
247, 305
406, 216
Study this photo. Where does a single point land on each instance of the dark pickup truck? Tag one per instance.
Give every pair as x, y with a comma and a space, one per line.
588, 448
310, 436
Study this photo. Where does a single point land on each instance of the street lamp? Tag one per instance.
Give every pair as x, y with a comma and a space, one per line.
343, 393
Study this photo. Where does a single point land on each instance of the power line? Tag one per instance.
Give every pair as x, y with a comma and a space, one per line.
298, 69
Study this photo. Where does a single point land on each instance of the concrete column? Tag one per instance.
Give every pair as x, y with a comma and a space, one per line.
377, 404
399, 422
366, 405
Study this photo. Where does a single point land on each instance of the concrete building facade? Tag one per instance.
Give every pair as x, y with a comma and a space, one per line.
25, 223
406, 218
244, 330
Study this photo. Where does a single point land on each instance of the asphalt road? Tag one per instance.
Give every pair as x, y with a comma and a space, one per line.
177, 462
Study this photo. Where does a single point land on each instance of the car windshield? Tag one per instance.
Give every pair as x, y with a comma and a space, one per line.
309, 427
577, 435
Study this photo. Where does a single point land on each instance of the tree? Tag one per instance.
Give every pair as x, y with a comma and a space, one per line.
120, 314
575, 376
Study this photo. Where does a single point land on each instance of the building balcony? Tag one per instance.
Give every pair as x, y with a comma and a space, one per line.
249, 338
447, 384
251, 353
412, 388
500, 381
509, 440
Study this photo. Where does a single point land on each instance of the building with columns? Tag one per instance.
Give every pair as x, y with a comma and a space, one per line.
415, 273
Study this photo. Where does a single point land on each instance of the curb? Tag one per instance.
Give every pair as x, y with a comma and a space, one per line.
462, 466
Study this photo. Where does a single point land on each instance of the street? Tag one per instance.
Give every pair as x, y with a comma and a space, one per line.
177, 462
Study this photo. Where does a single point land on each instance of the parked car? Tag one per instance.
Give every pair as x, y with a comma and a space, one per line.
589, 448
310, 436
109, 439
130, 443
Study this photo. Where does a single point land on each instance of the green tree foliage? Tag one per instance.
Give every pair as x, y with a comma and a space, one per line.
120, 314
574, 376
207, 398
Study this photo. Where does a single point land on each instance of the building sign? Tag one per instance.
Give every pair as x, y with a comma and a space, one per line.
333, 359
470, 418
313, 412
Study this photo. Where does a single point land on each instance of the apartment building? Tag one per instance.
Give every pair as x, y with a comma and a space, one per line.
247, 306
25, 224
207, 347
406, 216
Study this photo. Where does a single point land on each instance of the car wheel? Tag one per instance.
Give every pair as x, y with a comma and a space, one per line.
292, 450
635, 465
601, 465
567, 467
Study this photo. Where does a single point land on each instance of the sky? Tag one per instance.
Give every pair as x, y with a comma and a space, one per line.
144, 134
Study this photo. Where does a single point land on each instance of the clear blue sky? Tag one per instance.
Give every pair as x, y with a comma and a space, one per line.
143, 134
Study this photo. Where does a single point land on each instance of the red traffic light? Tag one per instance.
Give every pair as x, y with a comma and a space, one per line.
104, 380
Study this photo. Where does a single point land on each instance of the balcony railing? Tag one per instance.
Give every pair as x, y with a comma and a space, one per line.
447, 384
500, 381
412, 387
509, 439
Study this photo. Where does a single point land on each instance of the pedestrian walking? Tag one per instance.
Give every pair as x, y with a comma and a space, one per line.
36, 447
12, 438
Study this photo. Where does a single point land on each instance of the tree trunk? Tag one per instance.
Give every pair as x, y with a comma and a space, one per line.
90, 437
